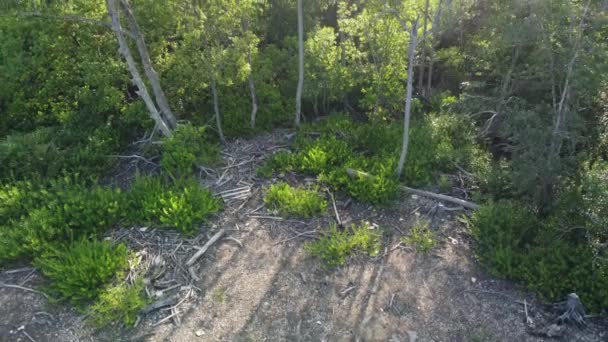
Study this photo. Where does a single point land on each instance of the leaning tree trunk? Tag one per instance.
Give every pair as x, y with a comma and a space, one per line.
300, 63
216, 108
125, 51
151, 74
408, 97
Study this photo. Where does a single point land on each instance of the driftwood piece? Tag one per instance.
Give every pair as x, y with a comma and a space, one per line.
204, 249
466, 204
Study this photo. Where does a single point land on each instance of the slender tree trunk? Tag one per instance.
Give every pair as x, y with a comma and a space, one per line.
216, 108
421, 88
342, 38
125, 51
252, 94
300, 63
408, 97
254, 100
429, 81
151, 74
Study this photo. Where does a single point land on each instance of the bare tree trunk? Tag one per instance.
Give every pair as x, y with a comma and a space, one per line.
216, 108
421, 87
142, 91
300, 63
429, 81
151, 74
254, 100
408, 98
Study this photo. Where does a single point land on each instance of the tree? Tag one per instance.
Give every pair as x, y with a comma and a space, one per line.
300, 63
408, 97
161, 123
151, 74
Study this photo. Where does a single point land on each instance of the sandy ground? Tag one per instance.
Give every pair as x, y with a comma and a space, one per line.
270, 289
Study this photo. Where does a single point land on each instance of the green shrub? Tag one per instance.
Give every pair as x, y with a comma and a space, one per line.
144, 199
187, 205
337, 245
79, 270
380, 188
182, 205
279, 162
293, 201
322, 155
503, 232
58, 210
187, 147
421, 237
551, 256
118, 302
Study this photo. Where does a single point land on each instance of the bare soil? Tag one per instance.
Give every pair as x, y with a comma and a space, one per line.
259, 284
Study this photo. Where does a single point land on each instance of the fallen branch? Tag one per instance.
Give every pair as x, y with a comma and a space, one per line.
466, 204
333, 201
296, 236
11, 286
204, 249
170, 301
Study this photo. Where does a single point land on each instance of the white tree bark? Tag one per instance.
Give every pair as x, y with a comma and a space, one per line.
408, 97
151, 74
216, 108
125, 51
300, 63
254, 99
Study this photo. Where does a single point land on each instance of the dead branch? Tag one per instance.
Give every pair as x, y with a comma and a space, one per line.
18, 287
333, 202
204, 249
466, 204
296, 236
159, 304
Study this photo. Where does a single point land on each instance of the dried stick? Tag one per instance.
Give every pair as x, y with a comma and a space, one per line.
295, 237
333, 201
204, 249
11, 286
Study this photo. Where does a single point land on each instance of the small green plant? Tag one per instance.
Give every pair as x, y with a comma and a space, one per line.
80, 270
503, 230
293, 201
183, 204
37, 216
421, 237
337, 245
278, 162
187, 147
186, 205
219, 295
118, 302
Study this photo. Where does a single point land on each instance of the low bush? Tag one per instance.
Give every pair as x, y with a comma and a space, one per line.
294, 201
59, 210
186, 205
183, 204
119, 302
421, 237
79, 270
187, 147
554, 256
337, 245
